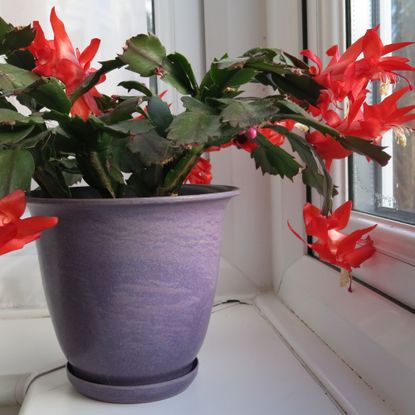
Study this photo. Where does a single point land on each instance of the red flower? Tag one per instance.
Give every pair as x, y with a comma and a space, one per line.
16, 232
201, 172
348, 76
59, 59
375, 65
369, 122
274, 137
327, 147
332, 246
379, 118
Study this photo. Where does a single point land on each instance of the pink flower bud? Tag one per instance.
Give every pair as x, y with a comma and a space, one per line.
159, 71
251, 133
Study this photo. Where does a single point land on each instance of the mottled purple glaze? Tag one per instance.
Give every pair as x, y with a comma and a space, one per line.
130, 285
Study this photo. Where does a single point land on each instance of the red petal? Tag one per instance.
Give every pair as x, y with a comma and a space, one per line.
70, 73
7, 233
201, 172
310, 212
23, 232
340, 217
296, 234
315, 222
89, 53
12, 245
12, 207
372, 45
359, 255
395, 46
349, 242
313, 57
84, 106
332, 51
275, 138
62, 42
352, 52
34, 225
40, 48
324, 253
355, 107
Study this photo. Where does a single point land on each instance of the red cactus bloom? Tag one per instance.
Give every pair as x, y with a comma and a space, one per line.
347, 76
379, 118
201, 172
16, 232
332, 246
244, 142
59, 59
276, 138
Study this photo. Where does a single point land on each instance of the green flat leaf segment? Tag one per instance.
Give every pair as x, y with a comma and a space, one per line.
299, 145
194, 128
17, 38
11, 136
193, 104
273, 159
151, 148
313, 176
10, 117
22, 59
366, 148
143, 54
179, 73
12, 78
51, 95
16, 170
219, 83
317, 181
132, 127
48, 92
91, 80
4, 28
137, 86
159, 113
247, 113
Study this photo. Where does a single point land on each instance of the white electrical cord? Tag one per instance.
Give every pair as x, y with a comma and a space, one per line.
25, 382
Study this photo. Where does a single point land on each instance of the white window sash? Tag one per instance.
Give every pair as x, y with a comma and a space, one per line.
392, 269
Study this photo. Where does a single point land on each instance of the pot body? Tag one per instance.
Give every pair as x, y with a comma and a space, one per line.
130, 282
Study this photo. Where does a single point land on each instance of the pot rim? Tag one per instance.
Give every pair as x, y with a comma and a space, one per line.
207, 192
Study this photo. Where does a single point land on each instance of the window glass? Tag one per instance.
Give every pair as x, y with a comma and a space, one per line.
112, 21
387, 191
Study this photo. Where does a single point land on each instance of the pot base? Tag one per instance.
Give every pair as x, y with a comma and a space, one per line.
133, 394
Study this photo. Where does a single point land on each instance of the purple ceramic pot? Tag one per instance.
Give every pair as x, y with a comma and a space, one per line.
130, 285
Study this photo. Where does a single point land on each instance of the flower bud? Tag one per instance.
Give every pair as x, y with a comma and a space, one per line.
251, 133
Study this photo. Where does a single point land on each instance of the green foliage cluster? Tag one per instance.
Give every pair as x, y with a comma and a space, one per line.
120, 154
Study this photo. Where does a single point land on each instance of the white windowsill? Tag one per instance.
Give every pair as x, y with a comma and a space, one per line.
373, 335
253, 361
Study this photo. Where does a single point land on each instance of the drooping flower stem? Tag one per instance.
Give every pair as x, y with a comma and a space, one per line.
176, 176
328, 187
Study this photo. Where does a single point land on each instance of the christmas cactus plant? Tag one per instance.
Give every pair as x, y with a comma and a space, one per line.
133, 145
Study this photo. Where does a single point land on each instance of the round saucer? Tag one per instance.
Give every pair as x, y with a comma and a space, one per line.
133, 394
